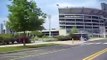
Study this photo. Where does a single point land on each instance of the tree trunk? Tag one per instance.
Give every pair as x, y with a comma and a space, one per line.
24, 39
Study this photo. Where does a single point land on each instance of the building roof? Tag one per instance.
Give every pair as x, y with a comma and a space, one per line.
90, 11
48, 30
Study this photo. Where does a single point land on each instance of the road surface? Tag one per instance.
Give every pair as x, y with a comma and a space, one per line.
80, 52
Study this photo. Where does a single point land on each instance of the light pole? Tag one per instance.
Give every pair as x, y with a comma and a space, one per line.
49, 18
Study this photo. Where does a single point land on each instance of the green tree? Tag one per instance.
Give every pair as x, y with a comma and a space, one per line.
25, 16
73, 30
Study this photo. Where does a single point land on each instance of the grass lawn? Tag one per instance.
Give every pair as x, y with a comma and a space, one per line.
20, 48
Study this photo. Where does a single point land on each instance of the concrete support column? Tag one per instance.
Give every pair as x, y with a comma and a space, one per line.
84, 22
92, 25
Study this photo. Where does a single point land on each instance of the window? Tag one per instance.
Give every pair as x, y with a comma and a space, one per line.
79, 19
87, 20
62, 27
94, 17
88, 24
70, 23
95, 24
61, 20
79, 23
79, 26
95, 20
61, 15
88, 27
70, 19
87, 16
68, 26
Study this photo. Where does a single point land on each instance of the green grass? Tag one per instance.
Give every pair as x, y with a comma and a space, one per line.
20, 48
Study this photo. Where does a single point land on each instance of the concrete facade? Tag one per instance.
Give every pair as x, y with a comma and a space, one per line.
53, 32
87, 20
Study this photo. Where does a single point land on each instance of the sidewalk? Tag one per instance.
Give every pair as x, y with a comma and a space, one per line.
93, 39
68, 42
55, 42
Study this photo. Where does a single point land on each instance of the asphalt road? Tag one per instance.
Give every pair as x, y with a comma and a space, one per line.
63, 52
102, 57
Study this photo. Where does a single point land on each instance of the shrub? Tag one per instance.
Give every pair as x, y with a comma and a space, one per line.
11, 39
33, 39
6, 38
48, 39
63, 38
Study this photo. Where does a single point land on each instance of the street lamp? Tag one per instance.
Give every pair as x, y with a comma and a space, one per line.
49, 18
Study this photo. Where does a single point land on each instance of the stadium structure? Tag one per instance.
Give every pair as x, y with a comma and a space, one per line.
91, 21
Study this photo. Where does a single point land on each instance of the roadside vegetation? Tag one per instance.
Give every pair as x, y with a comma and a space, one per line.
6, 39
22, 48
33, 36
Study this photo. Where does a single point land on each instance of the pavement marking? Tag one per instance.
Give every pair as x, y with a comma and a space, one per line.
50, 52
93, 56
98, 43
104, 43
94, 43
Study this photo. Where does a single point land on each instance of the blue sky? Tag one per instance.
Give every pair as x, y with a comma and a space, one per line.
3, 10
50, 8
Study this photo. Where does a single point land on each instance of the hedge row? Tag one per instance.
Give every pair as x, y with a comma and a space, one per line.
11, 39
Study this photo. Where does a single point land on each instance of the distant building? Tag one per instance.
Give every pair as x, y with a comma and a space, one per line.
87, 20
1, 28
53, 32
4, 29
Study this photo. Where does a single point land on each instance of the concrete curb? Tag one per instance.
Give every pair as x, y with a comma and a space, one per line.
17, 51
26, 49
